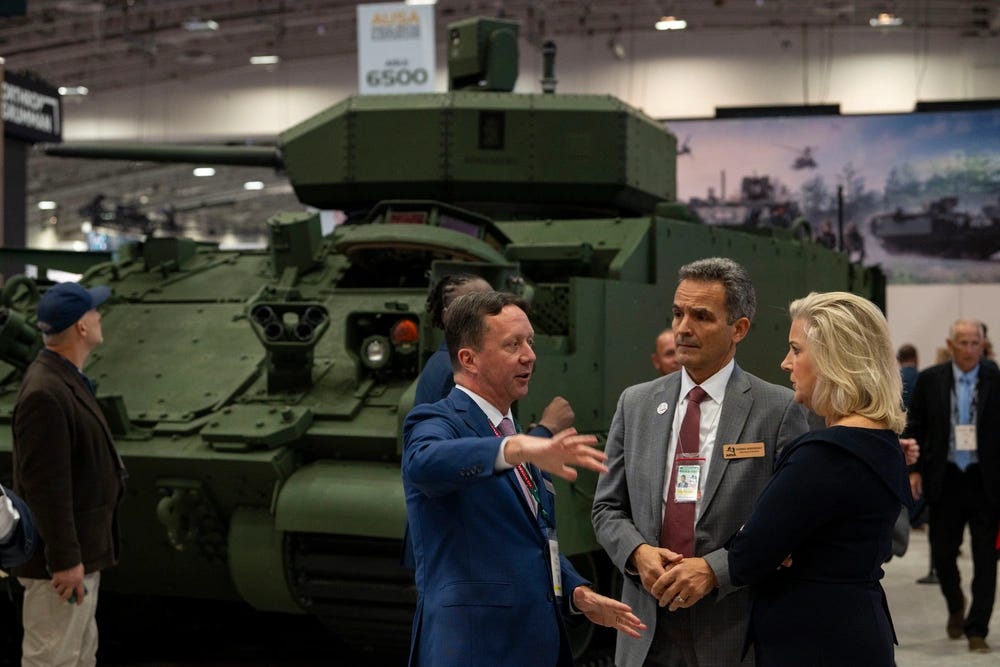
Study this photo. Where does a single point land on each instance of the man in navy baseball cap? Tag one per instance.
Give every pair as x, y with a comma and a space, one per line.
64, 304
66, 468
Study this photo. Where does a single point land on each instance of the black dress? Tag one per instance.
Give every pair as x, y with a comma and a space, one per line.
831, 505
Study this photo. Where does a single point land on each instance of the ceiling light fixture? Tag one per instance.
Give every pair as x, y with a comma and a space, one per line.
885, 20
73, 91
420, 2
671, 23
204, 171
47, 205
197, 25
253, 185
264, 60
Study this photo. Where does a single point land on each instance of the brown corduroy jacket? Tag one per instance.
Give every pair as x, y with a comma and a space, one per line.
66, 468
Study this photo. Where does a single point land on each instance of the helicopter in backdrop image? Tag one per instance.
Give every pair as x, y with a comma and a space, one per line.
685, 147
805, 159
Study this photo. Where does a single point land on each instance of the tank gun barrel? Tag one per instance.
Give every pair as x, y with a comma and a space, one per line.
243, 156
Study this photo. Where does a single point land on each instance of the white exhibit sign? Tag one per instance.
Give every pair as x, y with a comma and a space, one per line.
395, 48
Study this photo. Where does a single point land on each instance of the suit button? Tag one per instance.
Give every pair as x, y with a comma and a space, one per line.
550, 596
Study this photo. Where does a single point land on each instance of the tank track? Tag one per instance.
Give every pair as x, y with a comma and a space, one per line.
356, 586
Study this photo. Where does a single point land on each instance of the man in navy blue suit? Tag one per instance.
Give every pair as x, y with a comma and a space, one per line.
492, 587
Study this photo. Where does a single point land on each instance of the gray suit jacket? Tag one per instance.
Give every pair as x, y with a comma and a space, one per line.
628, 504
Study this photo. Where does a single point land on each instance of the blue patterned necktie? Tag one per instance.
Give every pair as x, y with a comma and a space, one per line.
964, 399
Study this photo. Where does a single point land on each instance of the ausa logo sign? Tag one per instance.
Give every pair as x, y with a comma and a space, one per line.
395, 24
395, 49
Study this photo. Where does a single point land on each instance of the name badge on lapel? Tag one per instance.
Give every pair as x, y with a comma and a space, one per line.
747, 450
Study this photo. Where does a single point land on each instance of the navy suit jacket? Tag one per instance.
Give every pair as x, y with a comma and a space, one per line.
485, 594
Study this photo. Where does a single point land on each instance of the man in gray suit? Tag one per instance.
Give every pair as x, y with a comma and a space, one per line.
668, 540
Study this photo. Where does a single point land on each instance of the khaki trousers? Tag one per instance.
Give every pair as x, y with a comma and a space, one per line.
57, 633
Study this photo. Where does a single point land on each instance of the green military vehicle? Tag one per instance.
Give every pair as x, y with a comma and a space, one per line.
257, 396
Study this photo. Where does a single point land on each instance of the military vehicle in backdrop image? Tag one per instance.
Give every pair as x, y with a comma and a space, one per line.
257, 396
941, 229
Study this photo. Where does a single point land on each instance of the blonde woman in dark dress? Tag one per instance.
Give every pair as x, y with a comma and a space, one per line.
813, 548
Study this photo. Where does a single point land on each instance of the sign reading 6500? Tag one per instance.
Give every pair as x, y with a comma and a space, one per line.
388, 78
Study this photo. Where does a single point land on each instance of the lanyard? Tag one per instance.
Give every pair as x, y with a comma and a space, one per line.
529, 482
532, 489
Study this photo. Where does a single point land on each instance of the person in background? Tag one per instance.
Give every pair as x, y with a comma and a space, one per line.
813, 548
492, 586
436, 379
988, 356
906, 355
664, 356
826, 237
854, 243
67, 469
722, 428
955, 417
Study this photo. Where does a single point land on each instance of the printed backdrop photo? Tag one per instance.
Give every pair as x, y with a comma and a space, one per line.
921, 191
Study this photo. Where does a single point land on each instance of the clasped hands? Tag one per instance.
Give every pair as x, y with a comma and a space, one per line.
557, 455
675, 581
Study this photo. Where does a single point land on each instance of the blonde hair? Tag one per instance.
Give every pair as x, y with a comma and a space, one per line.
856, 367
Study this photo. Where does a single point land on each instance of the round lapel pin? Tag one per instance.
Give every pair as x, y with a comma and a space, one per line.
661, 408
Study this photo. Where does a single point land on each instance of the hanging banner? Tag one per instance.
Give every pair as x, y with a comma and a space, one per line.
395, 49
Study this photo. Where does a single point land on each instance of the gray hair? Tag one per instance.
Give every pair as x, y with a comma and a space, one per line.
953, 329
741, 300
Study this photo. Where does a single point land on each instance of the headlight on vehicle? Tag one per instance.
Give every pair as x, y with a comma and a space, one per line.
375, 352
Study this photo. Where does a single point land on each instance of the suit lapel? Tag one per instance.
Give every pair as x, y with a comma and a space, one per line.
736, 408
471, 414
984, 385
658, 431
478, 423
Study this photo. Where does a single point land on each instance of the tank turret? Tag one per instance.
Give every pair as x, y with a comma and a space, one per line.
537, 155
258, 395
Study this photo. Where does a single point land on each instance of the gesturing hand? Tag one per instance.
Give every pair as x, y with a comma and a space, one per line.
557, 454
602, 610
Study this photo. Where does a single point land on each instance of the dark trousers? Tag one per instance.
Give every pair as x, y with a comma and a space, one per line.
673, 641
963, 501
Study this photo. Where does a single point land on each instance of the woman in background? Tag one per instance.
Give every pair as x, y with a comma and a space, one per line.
813, 548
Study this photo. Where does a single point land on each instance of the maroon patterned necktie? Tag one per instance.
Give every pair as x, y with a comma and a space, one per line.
677, 532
